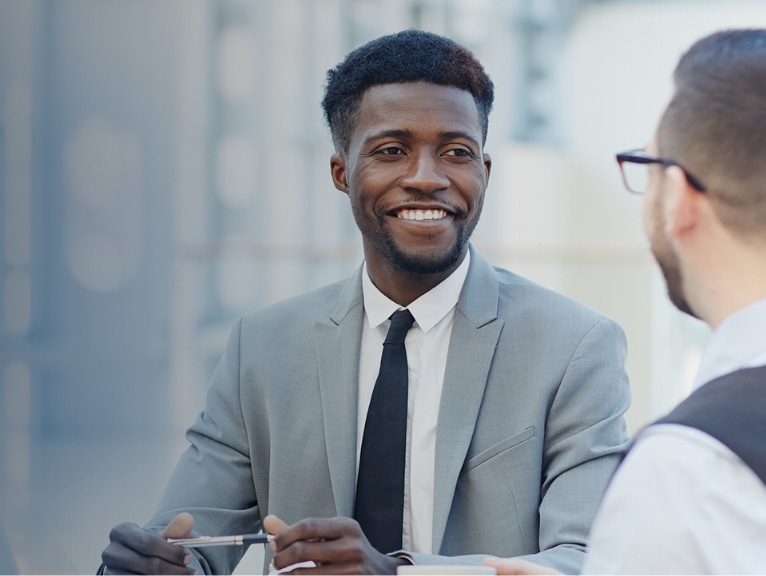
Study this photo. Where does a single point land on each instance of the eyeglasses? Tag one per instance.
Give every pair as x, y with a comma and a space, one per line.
634, 165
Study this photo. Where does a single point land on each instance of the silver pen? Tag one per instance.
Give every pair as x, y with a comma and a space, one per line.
238, 540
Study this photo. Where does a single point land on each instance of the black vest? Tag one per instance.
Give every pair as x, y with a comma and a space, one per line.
731, 409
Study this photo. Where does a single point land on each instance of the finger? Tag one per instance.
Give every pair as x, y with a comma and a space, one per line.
327, 569
337, 552
120, 559
505, 566
131, 545
273, 525
314, 529
514, 566
180, 526
333, 540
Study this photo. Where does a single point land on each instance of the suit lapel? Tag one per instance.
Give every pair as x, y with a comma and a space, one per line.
337, 348
475, 333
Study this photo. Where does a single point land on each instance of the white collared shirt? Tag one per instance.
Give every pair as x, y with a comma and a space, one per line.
682, 502
427, 344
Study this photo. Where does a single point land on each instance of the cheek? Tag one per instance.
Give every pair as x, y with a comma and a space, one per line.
646, 216
478, 193
650, 211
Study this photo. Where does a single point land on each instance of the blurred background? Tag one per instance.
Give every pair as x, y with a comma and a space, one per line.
164, 169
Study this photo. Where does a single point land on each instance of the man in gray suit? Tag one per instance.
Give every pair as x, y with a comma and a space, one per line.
516, 393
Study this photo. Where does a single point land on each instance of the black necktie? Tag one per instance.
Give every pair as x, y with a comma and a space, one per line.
379, 506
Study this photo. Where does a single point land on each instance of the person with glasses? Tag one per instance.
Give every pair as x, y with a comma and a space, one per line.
690, 495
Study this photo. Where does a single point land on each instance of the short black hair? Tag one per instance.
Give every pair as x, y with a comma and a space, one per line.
715, 124
407, 56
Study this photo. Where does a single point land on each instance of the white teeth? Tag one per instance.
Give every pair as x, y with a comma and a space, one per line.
422, 214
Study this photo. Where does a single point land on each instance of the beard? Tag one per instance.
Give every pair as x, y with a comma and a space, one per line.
669, 264
414, 260
428, 262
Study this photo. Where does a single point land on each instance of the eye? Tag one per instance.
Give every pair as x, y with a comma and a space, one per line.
460, 151
390, 151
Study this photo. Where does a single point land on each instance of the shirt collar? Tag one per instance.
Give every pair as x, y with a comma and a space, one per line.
428, 310
737, 343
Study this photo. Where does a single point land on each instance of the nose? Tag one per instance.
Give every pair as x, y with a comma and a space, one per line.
425, 174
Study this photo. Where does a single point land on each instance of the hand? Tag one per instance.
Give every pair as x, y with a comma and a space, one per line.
517, 566
335, 545
133, 550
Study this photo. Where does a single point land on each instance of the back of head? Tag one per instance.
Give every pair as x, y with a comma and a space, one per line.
408, 56
715, 125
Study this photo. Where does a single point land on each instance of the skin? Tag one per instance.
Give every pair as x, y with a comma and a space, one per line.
333, 545
710, 270
133, 550
514, 566
416, 146
416, 151
655, 224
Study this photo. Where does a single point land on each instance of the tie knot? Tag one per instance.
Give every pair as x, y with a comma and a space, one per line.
401, 322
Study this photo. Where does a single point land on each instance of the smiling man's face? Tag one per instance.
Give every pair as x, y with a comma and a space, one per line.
415, 174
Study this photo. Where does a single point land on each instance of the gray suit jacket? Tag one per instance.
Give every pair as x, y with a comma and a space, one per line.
530, 423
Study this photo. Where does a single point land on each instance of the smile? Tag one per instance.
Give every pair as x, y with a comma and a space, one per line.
422, 214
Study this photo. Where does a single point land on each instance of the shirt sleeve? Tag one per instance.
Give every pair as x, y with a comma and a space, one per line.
681, 503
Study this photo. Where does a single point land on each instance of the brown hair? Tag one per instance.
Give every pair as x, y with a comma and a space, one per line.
715, 124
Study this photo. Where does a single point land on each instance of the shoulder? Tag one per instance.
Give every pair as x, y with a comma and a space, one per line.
658, 493
522, 298
678, 466
706, 460
304, 310
655, 451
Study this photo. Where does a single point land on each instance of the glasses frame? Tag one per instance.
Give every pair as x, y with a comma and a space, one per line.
639, 156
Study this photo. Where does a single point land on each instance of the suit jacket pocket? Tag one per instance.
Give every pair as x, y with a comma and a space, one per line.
500, 447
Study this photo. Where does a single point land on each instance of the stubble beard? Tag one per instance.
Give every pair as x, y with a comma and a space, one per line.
669, 264
421, 262
426, 263
413, 262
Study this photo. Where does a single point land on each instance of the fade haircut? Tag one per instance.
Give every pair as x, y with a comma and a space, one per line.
407, 56
715, 125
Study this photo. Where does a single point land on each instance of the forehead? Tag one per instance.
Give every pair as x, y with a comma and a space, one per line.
417, 105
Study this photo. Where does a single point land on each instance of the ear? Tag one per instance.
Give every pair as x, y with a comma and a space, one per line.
487, 165
338, 172
682, 204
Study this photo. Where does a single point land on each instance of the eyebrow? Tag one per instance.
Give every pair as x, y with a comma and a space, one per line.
388, 134
398, 133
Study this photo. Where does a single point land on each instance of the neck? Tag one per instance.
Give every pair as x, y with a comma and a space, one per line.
405, 287
728, 281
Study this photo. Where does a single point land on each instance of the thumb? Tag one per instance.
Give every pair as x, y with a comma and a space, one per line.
273, 525
180, 526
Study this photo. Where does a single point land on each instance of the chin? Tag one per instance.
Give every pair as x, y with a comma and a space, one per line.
680, 302
671, 271
427, 263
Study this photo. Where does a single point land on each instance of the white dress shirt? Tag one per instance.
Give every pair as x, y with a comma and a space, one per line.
682, 502
427, 343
